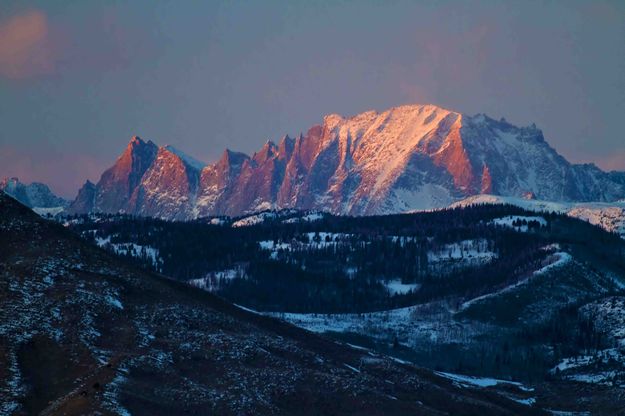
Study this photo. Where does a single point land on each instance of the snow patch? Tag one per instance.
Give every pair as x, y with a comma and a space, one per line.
44, 212
254, 219
311, 217
466, 381
114, 302
469, 252
519, 222
396, 287
213, 280
608, 215
148, 253
556, 260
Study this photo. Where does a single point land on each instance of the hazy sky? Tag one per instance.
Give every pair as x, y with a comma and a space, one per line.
79, 78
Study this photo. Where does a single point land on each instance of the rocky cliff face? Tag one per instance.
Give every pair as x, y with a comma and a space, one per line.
85, 200
406, 158
145, 180
117, 184
167, 188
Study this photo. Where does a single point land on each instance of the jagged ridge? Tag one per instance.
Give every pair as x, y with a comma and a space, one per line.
409, 157
33, 195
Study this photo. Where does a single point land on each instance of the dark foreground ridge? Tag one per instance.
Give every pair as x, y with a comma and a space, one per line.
83, 333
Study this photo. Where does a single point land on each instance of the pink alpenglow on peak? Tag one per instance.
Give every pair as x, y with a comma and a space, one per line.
406, 158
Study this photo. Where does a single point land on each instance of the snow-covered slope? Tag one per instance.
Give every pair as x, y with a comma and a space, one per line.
610, 216
189, 160
405, 158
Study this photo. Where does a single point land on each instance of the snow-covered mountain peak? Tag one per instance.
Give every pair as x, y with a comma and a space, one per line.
33, 195
417, 156
331, 120
189, 160
403, 126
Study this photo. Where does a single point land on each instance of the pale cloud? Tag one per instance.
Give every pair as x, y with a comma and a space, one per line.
34, 45
25, 47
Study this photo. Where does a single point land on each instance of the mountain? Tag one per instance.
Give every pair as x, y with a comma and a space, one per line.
409, 157
85, 200
145, 180
117, 184
83, 332
35, 195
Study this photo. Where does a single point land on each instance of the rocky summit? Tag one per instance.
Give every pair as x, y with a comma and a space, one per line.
406, 158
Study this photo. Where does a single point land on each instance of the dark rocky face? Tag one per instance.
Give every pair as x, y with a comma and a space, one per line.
85, 200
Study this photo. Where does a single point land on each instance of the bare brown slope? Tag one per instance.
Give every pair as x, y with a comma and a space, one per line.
81, 333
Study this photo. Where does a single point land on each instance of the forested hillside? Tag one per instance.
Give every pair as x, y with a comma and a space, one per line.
488, 290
